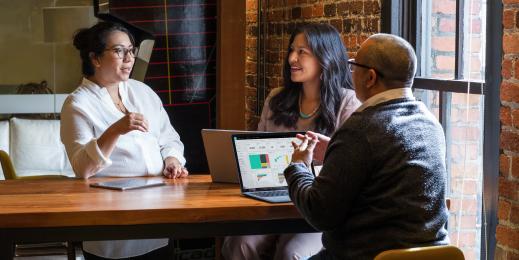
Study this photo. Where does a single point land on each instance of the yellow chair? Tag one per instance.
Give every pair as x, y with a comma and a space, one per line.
10, 173
423, 253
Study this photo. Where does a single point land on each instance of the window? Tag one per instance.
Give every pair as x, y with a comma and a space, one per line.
454, 81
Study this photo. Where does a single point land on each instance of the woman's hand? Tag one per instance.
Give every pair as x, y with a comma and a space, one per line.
304, 153
174, 169
322, 144
130, 122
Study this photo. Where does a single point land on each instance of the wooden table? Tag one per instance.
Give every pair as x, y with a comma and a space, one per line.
69, 210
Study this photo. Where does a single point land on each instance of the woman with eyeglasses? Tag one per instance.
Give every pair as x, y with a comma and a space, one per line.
113, 126
318, 96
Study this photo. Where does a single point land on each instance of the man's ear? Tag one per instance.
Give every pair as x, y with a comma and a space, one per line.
94, 59
372, 78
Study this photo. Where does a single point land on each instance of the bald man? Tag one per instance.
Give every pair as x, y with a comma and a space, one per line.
382, 185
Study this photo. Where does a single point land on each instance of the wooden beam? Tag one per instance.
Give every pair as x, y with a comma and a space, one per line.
230, 65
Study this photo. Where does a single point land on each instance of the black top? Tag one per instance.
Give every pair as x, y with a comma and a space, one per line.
382, 185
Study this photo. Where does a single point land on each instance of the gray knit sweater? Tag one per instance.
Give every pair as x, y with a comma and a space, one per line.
382, 185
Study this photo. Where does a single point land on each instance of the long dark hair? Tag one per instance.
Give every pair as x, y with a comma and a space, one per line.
327, 46
95, 39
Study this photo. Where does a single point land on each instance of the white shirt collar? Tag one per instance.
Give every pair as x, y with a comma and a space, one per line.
386, 96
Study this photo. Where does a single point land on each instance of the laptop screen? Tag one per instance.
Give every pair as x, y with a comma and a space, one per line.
262, 158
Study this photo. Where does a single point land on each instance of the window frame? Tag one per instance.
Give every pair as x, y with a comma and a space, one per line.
403, 18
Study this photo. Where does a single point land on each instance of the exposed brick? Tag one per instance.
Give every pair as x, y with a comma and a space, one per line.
447, 25
473, 116
444, 7
251, 67
452, 222
292, 2
278, 15
445, 62
296, 13
471, 149
512, 256
469, 205
251, 42
471, 170
503, 210
507, 236
461, 99
249, 126
251, 54
250, 103
249, 114
447, 44
272, 3
318, 11
374, 25
301, 1
287, 14
345, 40
508, 19
356, 7
511, 44
343, 8
251, 83
464, 133
469, 188
353, 41
251, 30
312, 1
251, 5
510, 1
500, 254
279, 29
252, 17
466, 239
506, 68
504, 164
371, 7
509, 141
347, 25
515, 166
337, 23
514, 214
454, 115
270, 16
507, 188
330, 10
509, 92
454, 151
474, 26
515, 118
307, 12
468, 222
469, 255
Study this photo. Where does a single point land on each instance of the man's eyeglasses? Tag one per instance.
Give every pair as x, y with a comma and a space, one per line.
352, 64
122, 52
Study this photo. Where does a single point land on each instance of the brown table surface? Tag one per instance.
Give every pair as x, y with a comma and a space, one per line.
71, 202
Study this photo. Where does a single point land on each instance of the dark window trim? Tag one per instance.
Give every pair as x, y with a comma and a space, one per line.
391, 22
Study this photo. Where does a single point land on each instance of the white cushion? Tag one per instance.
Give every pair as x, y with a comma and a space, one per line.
36, 146
4, 141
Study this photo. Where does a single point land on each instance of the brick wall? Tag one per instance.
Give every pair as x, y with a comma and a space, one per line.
355, 20
507, 232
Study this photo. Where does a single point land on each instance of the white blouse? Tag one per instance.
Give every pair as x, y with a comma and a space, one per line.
85, 116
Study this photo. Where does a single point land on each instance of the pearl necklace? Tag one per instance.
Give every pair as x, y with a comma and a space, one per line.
301, 113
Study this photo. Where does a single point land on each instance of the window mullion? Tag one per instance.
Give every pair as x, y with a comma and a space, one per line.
460, 16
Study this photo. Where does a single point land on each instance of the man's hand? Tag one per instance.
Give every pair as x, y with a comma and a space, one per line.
304, 153
321, 146
174, 169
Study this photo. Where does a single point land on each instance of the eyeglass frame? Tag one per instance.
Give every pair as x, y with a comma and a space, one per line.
350, 62
124, 49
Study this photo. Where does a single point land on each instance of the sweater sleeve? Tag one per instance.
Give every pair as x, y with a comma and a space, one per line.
346, 167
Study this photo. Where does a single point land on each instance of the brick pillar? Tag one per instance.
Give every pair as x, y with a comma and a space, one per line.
507, 233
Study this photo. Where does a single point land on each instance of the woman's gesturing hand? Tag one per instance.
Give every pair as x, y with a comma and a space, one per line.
320, 147
174, 169
304, 153
130, 122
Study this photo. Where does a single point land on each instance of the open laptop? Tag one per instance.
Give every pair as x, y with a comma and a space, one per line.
261, 159
220, 157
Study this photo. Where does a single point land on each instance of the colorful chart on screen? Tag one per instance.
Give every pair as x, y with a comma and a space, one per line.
262, 161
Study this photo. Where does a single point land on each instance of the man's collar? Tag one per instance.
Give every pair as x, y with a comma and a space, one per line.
386, 96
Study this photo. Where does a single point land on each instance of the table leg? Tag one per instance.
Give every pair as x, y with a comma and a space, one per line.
6, 251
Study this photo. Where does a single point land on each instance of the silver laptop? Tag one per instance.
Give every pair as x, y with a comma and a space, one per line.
261, 159
218, 149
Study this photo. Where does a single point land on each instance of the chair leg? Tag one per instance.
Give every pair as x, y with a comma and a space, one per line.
71, 250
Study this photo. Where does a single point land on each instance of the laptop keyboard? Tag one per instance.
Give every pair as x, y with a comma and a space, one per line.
277, 193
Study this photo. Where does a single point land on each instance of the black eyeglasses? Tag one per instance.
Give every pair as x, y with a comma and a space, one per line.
352, 64
122, 52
